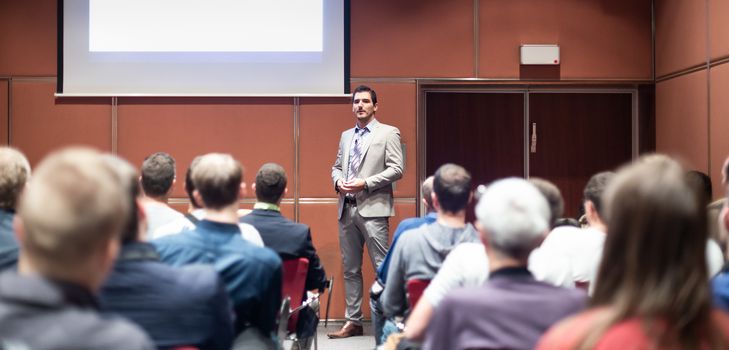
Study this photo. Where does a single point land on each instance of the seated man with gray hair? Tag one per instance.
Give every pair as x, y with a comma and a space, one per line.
70, 219
14, 172
512, 309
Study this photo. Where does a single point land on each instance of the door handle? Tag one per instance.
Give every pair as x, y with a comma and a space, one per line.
533, 148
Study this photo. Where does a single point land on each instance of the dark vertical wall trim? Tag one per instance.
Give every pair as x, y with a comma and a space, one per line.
10, 110
708, 86
59, 49
347, 35
476, 38
653, 40
297, 156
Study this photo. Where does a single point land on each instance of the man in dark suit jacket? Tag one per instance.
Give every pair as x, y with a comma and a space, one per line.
289, 239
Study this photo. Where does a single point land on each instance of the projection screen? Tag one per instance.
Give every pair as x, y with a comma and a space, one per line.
203, 47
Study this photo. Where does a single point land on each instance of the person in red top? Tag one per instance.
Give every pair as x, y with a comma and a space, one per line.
652, 290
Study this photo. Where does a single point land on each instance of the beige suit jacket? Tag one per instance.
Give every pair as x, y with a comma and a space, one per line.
381, 166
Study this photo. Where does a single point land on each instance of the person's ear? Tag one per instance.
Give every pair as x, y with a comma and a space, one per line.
243, 190
436, 203
198, 198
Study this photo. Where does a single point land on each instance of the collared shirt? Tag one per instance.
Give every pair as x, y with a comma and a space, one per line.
266, 206
365, 135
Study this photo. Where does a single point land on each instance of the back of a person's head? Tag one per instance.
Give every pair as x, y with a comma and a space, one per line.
14, 173
73, 207
701, 183
128, 177
553, 196
595, 189
452, 187
426, 189
654, 265
514, 215
158, 174
217, 177
270, 183
189, 185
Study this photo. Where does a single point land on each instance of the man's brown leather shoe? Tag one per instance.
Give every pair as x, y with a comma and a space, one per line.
348, 330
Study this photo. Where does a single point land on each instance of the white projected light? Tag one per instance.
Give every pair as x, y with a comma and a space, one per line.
202, 48
205, 25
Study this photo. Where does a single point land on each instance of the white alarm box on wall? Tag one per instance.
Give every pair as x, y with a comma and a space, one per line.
540, 54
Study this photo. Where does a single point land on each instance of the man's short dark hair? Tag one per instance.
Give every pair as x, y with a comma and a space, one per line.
701, 184
365, 88
553, 196
217, 177
270, 183
158, 173
596, 187
452, 187
128, 178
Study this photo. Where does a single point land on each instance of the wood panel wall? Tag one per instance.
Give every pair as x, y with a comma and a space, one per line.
692, 81
395, 45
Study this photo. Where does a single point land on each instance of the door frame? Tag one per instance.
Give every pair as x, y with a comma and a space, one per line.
425, 87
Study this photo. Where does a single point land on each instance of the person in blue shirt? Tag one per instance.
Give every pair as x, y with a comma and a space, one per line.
152, 294
14, 173
378, 319
252, 275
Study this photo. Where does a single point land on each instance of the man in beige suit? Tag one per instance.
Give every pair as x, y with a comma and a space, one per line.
368, 162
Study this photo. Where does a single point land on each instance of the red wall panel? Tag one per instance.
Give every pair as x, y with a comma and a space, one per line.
28, 38
719, 28
322, 218
412, 38
719, 124
682, 119
4, 132
254, 131
680, 35
597, 39
40, 123
324, 120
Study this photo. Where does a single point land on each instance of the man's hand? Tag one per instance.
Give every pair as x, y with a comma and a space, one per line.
352, 186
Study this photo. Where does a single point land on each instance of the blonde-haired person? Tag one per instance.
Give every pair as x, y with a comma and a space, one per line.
14, 173
652, 289
68, 224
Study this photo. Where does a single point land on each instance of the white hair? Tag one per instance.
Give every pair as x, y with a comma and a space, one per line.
514, 215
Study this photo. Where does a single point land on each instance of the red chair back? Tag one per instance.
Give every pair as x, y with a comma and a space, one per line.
294, 282
415, 289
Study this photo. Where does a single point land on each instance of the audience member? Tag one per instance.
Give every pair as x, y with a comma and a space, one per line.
651, 289
14, 172
289, 239
717, 231
176, 306
420, 252
468, 266
701, 184
721, 281
378, 319
569, 256
197, 213
157, 179
252, 274
70, 218
512, 309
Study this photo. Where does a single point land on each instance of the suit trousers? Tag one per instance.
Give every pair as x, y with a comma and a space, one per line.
354, 232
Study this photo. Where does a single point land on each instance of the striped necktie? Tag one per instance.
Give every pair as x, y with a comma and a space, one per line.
355, 154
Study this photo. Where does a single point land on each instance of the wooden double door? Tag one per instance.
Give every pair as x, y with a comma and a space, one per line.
562, 136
